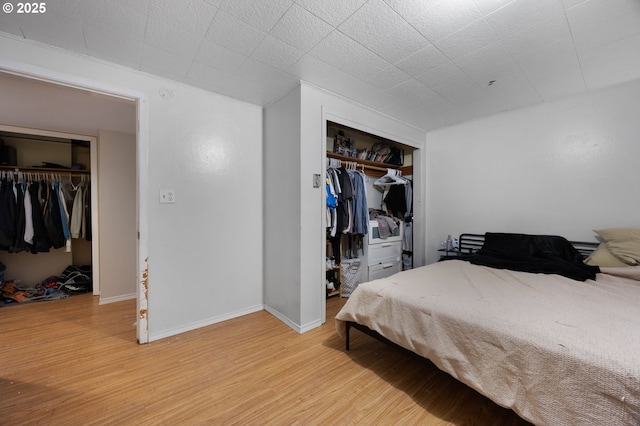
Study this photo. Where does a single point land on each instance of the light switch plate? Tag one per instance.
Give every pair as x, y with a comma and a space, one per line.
167, 196
316, 180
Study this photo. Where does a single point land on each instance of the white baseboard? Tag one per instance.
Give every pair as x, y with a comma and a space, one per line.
204, 323
297, 327
106, 300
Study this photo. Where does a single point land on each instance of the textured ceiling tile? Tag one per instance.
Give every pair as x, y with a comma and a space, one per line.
346, 54
171, 39
613, 63
466, 40
488, 6
518, 15
478, 102
380, 29
138, 6
609, 31
219, 57
60, 26
159, 61
489, 63
194, 16
276, 53
423, 60
513, 91
460, 94
443, 74
257, 13
113, 47
546, 49
115, 18
230, 32
300, 28
388, 78
540, 34
61, 30
253, 70
604, 10
214, 3
558, 79
332, 11
271, 93
9, 25
316, 71
415, 93
68, 37
620, 20
436, 19
542, 56
207, 76
239, 88
571, 3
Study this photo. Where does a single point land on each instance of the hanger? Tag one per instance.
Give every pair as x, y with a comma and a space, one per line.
393, 177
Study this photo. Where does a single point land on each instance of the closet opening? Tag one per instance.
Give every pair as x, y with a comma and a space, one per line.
55, 120
368, 209
45, 216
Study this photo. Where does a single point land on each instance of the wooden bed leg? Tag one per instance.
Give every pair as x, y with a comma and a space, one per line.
347, 329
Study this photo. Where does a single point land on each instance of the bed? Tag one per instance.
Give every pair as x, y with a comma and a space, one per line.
556, 350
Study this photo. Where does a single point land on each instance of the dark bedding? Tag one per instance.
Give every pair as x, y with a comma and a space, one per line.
546, 254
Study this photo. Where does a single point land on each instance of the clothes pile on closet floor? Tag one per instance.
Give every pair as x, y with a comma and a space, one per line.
73, 280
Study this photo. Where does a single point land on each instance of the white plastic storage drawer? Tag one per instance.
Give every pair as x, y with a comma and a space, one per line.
374, 233
378, 252
385, 269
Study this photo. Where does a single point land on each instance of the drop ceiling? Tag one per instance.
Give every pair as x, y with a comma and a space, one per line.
429, 63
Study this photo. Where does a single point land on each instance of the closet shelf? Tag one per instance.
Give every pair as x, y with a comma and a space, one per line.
44, 170
372, 165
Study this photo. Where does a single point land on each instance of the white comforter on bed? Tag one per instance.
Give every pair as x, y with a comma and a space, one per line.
555, 350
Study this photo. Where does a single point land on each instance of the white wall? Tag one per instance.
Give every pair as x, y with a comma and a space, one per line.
117, 215
282, 208
27, 102
204, 251
563, 168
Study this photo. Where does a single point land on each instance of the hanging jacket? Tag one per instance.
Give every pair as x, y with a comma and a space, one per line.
19, 243
86, 214
6, 218
52, 220
40, 240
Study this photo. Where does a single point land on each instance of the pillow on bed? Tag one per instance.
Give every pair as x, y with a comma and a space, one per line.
623, 243
601, 256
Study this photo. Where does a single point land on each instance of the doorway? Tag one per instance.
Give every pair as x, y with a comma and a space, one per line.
56, 103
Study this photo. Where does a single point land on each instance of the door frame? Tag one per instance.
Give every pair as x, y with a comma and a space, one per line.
142, 166
95, 246
418, 177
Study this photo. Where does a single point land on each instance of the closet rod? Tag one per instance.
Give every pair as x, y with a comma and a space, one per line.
359, 164
16, 169
373, 165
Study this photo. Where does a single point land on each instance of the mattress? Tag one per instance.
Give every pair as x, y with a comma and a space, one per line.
555, 350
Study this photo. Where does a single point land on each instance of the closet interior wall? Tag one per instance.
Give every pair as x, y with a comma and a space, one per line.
33, 150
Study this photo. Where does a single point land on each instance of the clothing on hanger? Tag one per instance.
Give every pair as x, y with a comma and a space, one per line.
35, 211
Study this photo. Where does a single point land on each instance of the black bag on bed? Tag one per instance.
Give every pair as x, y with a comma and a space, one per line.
546, 254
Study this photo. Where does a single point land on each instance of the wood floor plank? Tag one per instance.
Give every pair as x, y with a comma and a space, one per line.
75, 362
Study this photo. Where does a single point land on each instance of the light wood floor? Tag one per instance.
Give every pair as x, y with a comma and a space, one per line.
73, 362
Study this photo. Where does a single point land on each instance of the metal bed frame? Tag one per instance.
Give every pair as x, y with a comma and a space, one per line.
468, 245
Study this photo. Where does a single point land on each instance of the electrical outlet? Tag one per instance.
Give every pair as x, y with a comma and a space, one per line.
167, 196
